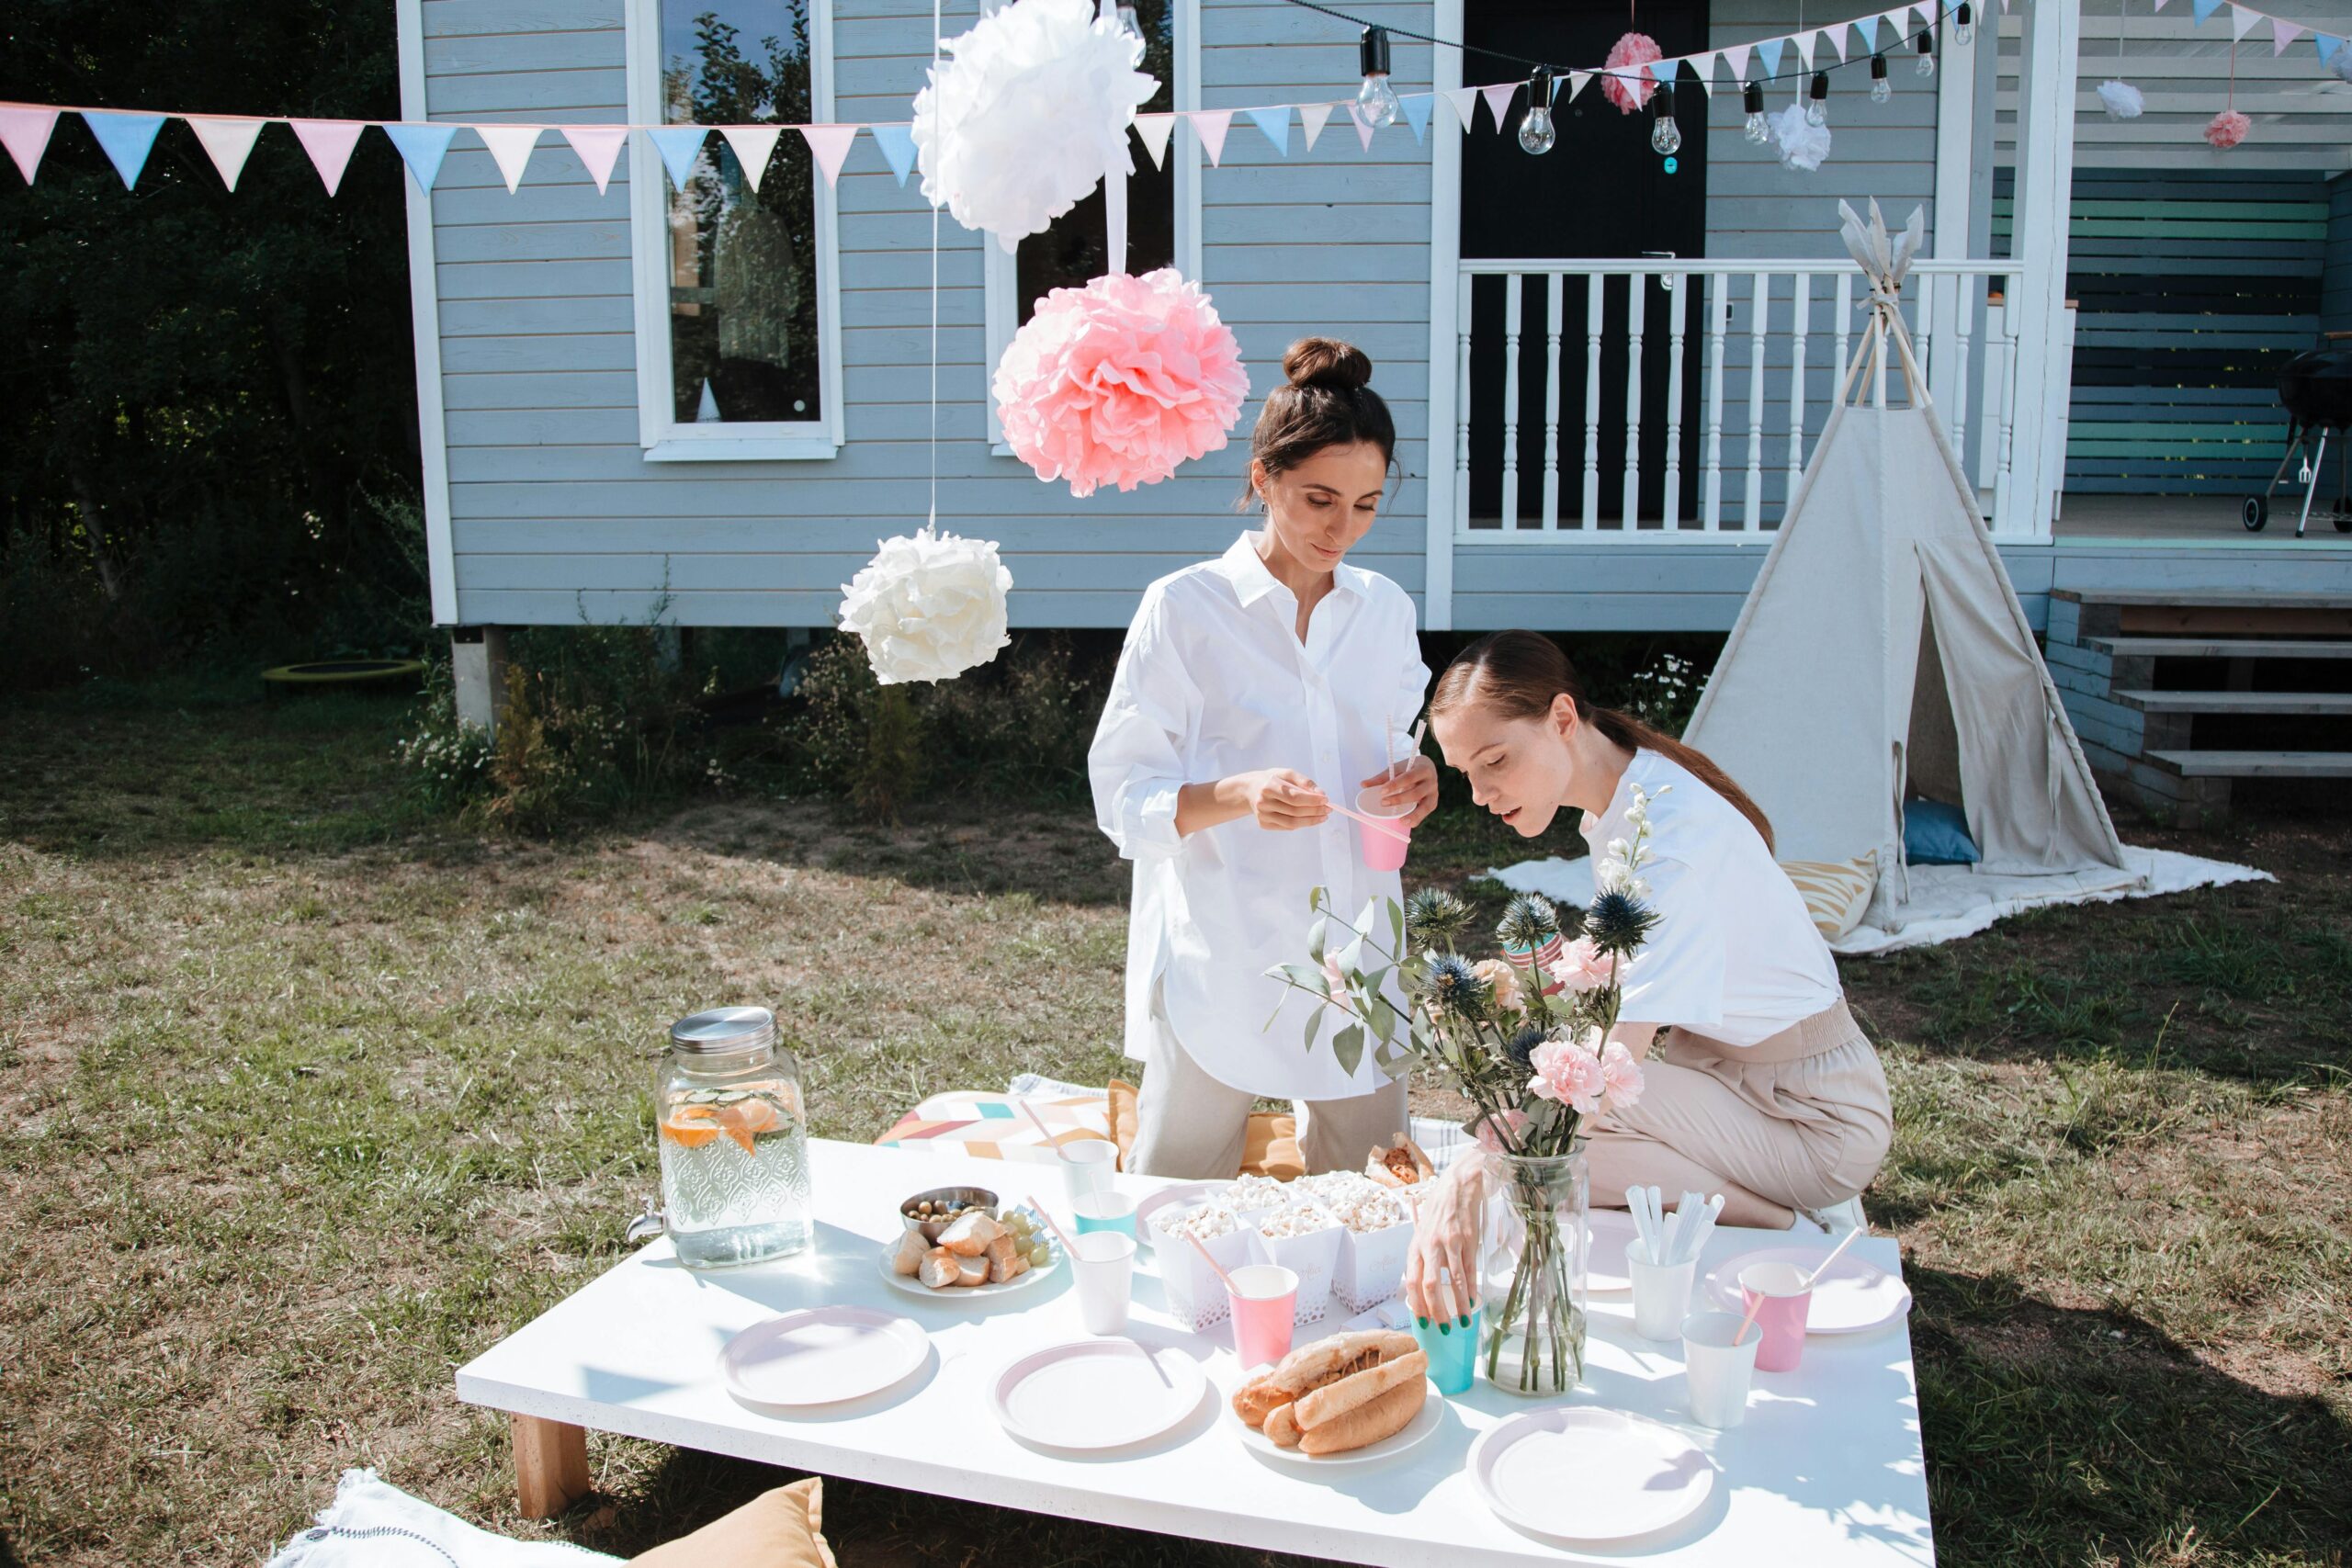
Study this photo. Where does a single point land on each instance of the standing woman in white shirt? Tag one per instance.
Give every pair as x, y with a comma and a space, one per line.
1248, 686
1760, 1085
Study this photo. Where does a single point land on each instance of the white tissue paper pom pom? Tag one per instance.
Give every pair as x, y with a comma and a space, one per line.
1803, 145
2122, 99
1026, 115
930, 607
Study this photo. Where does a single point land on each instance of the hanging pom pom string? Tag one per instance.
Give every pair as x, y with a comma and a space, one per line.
1117, 164
2229, 128
2122, 99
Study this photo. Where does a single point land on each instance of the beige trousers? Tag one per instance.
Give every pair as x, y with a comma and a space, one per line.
1802, 1118
1195, 1126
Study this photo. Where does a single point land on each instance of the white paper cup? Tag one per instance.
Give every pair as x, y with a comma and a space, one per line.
1104, 1264
1661, 1293
1087, 1165
1718, 1372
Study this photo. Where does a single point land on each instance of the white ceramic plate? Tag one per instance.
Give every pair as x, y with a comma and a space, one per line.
911, 1286
1184, 1195
1417, 1432
1853, 1297
1097, 1393
1580, 1473
822, 1356
1604, 1270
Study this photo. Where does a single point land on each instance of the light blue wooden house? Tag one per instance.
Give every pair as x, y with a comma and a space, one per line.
1607, 364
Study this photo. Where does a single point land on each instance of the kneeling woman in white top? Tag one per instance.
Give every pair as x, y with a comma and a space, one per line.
1249, 685
1759, 1085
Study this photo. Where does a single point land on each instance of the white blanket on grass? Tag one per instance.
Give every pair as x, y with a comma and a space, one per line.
1949, 902
373, 1524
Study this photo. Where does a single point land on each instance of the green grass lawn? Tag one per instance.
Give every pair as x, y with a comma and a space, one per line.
306, 1098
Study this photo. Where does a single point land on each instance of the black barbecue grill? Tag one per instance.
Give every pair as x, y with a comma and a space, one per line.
2316, 391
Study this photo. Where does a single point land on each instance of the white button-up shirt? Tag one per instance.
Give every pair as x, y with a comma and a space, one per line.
1215, 682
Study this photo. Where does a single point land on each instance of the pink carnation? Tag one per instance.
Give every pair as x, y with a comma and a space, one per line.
1583, 967
2226, 130
1567, 1073
1118, 382
1620, 1076
1489, 1139
1628, 86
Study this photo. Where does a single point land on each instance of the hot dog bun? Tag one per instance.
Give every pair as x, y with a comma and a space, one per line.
1282, 1426
1368, 1422
1327, 1404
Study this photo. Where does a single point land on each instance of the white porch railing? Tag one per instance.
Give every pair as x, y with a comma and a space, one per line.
1718, 448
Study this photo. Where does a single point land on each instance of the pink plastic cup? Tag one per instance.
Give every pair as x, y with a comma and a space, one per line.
1384, 846
1264, 1295
1780, 1288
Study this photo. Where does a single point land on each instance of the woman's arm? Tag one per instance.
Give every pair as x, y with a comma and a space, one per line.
1276, 798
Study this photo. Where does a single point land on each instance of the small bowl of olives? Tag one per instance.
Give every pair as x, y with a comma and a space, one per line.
932, 1212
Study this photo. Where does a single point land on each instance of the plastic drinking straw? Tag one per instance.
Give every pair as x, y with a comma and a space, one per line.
1039, 1123
1389, 825
1212, 1262
1823, 1267
1753, 1308
1059, 1234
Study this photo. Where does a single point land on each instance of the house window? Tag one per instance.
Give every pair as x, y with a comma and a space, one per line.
737, 341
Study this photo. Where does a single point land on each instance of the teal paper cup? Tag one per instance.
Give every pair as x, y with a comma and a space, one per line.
1106, 1211
1453, 1355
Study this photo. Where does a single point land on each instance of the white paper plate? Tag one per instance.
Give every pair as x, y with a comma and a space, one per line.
822, 1356
1184, 1195
1605, 1273
1578, 1473
1853, 1297
1097, 1393
906, 1285
1417, 1432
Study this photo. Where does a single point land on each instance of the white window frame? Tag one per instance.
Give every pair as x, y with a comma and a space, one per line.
999, 271
665, 437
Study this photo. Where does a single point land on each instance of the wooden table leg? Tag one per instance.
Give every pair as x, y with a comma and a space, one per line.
550, 1465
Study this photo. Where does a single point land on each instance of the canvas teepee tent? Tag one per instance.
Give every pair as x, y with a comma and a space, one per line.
1883, 657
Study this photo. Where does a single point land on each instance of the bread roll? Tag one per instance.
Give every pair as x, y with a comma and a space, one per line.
940, 1268
1327, 1404
911, 1251
970, 1235
1368, 1422
1282, 1426
972, 1271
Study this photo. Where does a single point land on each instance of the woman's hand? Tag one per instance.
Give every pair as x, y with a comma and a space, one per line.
1279, 800
1442, 1271
1411, 783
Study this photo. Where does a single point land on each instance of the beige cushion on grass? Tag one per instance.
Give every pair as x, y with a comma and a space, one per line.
1836, 892
777, 1529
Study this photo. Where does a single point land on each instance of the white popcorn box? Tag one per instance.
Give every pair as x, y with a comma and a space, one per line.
1372, 1266
1313, 1257
1195, 1295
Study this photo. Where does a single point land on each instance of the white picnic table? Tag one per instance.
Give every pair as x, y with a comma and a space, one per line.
1826, 1470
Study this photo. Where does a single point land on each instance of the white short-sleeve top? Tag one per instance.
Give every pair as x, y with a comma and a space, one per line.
1735, 956
1215, 682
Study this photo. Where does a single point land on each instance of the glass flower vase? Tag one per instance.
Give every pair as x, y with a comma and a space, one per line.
1533, 1280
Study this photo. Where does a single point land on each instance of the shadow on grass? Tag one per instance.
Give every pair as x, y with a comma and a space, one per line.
2055, 1435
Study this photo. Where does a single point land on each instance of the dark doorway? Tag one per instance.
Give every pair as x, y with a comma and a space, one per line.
1599, 192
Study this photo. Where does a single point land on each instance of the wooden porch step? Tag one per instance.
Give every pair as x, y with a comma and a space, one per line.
2216, 647
2210, 612
2231, 598
2256, 764
2269, 703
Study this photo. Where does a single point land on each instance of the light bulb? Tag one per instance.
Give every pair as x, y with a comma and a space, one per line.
1927, 54
1964, 26
1535, 133
1882, 89
1666, 137
1816, 101
1375, 100
1758, 131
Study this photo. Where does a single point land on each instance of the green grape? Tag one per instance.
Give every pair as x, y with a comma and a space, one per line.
1039, 1255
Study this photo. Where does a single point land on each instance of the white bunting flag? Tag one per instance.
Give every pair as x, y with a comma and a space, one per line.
1805, 43
1312, 119
1927, 14
1899, 27
2242, 21
227, 142
1210, 126
2282, 33
830, 145
599, 147
1499, 99
1155, 130
1576, 79
1705, 66
511, 146
1737, 58
1837, 37
754, 146
1465, 104
329, 142
1365, 128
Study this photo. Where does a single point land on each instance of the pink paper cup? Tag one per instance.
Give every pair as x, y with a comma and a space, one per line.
1774, 1292
1264, 1295
1383, 849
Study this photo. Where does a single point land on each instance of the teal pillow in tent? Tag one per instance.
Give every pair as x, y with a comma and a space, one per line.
1937, 834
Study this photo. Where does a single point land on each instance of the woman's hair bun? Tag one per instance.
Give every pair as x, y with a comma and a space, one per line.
1327, 362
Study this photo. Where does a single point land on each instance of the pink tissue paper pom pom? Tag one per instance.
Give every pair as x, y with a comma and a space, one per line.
2226, 130
1120, 381
1567, 1073
1628, 86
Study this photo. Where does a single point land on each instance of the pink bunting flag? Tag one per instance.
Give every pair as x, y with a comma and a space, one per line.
752, 145
1737, 58
510, 147
1365, 128
830, 145
2159, 6
25, 132
1899, 27
227, 142
329, 142
1155, 130
2282, 33
2242, 21
1465, 104
1498, 97
599, 147
1927, 14
1210, 126
1312, 119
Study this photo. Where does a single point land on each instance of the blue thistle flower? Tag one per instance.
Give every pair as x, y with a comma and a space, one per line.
1434, 918
1455, 987
1528, 921
1619, 923
1521, 1047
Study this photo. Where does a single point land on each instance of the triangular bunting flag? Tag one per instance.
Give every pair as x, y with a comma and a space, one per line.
1465, 104
1663, 71
329, 142
1576, 79
1499, 99
1705, 66
422, 146
1275, 123
1210, 126
2242, 21
829, 144
1418, 107
1926, 12
1837, 37
753, 145
1868, 27
679, 145
127, 139
1153, 128
1805, 43
25, 132
1737, 58
2282, 33
2204, 9
1899, 27
2327, 44
1769, 51
1365, 128
599, 147
897, 143
511, 146
227, 142
1312, 119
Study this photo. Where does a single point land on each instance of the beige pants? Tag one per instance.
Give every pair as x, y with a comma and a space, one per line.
1195, 1126
1800, 1119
